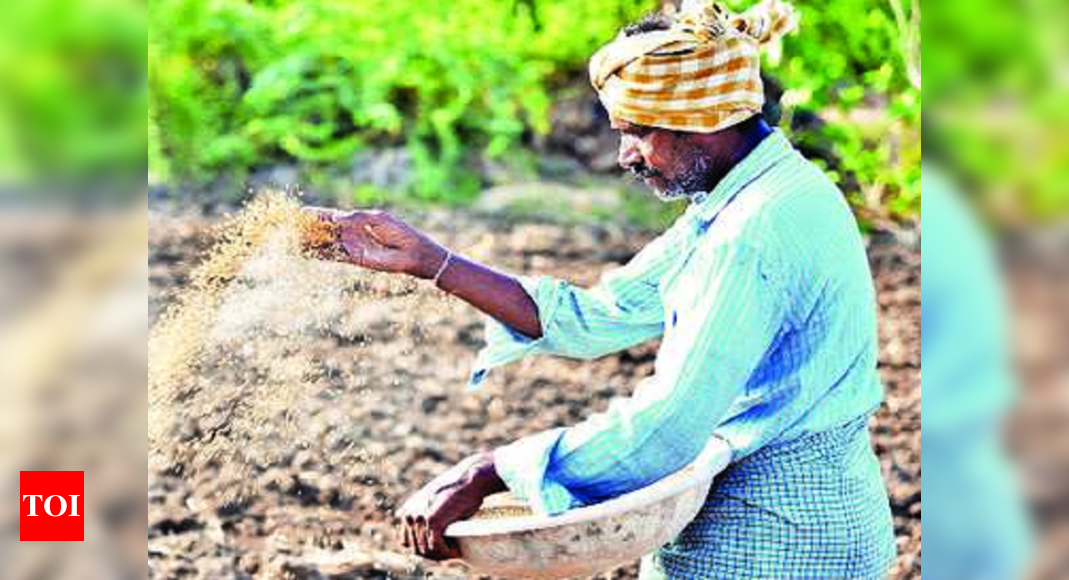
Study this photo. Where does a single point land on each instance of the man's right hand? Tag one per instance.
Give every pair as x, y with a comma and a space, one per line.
379, 241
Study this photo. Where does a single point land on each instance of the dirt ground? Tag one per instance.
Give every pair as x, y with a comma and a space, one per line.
312, 495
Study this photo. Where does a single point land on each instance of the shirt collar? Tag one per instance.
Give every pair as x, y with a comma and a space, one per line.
705, 206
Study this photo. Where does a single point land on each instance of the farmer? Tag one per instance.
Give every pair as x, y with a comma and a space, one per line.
763, 299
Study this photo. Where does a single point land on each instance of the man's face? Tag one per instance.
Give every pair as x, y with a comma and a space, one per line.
670, 162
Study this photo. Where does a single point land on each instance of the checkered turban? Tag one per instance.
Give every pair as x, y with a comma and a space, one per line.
701, 75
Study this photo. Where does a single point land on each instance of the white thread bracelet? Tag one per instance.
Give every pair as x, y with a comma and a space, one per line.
445, 264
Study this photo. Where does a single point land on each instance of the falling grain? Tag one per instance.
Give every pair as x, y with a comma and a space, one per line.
270, 240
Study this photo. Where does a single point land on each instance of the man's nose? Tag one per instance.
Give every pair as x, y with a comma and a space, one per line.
629, 154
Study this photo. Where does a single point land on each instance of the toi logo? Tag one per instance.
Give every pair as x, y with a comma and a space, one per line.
51, 506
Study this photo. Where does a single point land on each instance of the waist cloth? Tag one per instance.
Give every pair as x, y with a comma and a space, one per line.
812, 507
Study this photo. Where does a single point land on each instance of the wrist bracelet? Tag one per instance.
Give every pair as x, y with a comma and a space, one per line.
445, 264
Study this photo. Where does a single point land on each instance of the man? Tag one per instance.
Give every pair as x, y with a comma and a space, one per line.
761, 293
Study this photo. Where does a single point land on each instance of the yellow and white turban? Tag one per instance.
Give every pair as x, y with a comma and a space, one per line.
701, 75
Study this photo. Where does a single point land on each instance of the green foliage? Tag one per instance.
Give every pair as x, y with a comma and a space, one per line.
72, 92
238, 84
235, 84
854, 62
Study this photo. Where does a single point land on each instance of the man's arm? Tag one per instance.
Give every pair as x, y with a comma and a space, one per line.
498, 295
727, 314
378, 241
539, 315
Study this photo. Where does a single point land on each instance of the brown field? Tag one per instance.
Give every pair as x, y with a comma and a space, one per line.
329, 398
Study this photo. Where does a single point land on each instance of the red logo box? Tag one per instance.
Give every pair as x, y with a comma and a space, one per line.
52, 506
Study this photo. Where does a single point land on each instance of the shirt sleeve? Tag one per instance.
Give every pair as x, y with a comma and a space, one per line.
623, 309
725, 315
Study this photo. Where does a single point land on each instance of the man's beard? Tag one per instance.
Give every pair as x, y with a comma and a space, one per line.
692, 180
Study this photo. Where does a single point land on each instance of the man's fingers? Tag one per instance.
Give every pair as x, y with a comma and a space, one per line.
369, 229
421, 543
410, 532
358, 218
438, 544
440, 547
323, 213
408, 536
435, 532
377, 231
363, 219
414, 538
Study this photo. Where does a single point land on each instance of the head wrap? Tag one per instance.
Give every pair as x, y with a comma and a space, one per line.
701, 75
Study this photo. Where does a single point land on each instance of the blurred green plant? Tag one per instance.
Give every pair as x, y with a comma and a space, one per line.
996, 111
73, 93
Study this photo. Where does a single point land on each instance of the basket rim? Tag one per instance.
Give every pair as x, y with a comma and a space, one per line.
713, 459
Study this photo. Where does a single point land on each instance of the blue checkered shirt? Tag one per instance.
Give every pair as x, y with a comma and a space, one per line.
763, 298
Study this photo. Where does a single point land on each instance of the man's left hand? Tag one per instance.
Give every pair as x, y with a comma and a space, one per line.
454, 495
